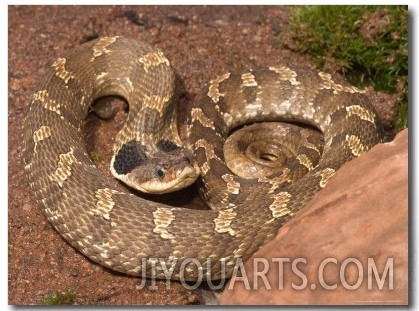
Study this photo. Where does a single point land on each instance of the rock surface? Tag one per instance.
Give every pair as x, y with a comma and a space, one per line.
361, 216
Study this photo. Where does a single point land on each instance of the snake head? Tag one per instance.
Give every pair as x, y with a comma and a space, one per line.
166, 178
166, 168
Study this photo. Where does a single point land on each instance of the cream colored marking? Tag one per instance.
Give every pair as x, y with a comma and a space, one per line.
102, 249
361, 112
60, 70
328, 83
286, 74
248, 79
155, 102
28, 168
198, 115
209, 154
213, 91
64, 166
105, 202
49, 103
223, 221
327, 120
277, 182
312, 147
129, 82
162, 218
355, 145
52, 212
101, 47
153, 59
173, 135
325, 175
101, 76
286, 104
41, 96
254, 106
279, 206
40, 134
232, 186
306, 134
228, 118
305, 161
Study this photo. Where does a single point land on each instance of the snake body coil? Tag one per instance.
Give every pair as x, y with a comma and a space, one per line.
140, 237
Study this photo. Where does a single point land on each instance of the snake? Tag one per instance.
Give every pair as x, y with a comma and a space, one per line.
136, 236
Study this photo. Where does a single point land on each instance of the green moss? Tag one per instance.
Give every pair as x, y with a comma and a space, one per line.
368, 44
94, 156
59, 299
402, 115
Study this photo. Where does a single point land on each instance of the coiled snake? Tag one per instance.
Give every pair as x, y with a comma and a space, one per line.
139, 237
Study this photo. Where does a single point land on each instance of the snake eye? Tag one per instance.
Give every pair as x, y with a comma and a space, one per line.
160, 171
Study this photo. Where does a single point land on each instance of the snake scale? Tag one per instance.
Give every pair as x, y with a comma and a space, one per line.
139, 237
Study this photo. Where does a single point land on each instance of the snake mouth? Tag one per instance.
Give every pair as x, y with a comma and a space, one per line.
174, 180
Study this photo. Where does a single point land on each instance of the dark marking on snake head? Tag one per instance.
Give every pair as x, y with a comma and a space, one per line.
130, 156
167, 146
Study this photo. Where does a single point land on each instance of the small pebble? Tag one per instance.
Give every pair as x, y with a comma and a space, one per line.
74, 272
257, 39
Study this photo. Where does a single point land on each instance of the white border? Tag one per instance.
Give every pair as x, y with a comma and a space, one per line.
413, 238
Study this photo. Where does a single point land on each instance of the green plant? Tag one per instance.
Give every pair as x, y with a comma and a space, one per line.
94, 156
59, 299
368, 44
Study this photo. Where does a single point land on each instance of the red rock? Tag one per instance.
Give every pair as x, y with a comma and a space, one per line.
360, 217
